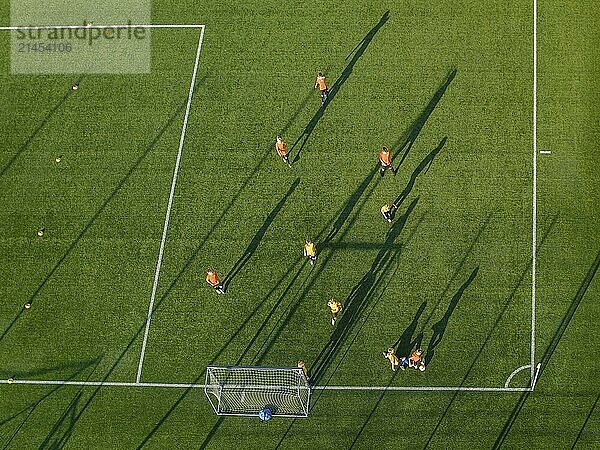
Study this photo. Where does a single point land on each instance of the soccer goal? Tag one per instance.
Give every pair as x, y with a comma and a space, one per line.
245, 391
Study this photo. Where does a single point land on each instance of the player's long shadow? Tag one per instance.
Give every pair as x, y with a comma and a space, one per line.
258, 237
100, 210
339, 221
505, 306
585, 422
30, 409
314, 400
78, 365
251, 176
63, 427
458, 270
39, 128
298, 110
551, 348
335, 88
424, 165
406, 143
439, 328
375, 406
405, 344
215, 357
359, 298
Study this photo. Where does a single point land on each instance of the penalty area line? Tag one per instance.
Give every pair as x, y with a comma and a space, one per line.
169, 206
80, 27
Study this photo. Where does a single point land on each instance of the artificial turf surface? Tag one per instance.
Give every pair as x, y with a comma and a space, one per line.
448, 86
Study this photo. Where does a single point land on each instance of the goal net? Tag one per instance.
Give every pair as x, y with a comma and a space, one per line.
245, 391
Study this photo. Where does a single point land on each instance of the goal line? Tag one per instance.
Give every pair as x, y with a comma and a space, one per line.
316, 388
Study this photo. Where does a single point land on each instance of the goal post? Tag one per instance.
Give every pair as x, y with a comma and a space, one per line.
245, 391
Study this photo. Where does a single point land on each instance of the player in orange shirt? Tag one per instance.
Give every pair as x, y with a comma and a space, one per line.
415, 359
213, 279
281, 147
386, 161
322, 85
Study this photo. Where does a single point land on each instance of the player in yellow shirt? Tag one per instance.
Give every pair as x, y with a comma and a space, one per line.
322, 85
302, 365
387, 211
310, 251
335, 308
390, 355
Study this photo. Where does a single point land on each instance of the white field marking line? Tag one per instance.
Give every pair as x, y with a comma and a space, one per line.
534, 221
77, 27
170, 204
328, 388
516, 371
537, 373
545, 152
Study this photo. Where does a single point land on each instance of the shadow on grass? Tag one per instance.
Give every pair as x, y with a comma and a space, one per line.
358, 300
585, 422
439, 328
551, 348
487, 339
458, 270
100, 210
28, 374
375, 406
335, 88
424, 165
30, 409
406, 143
39, 128
258, 237
74, 415
405, 344
62, 429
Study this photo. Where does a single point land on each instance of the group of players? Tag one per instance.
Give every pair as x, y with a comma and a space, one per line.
415, 360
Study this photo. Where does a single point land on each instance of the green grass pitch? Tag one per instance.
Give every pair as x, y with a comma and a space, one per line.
448, 86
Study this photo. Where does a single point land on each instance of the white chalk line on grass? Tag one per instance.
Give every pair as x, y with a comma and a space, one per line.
327, 388
534, 220
80, 27
516, 371
170, 204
